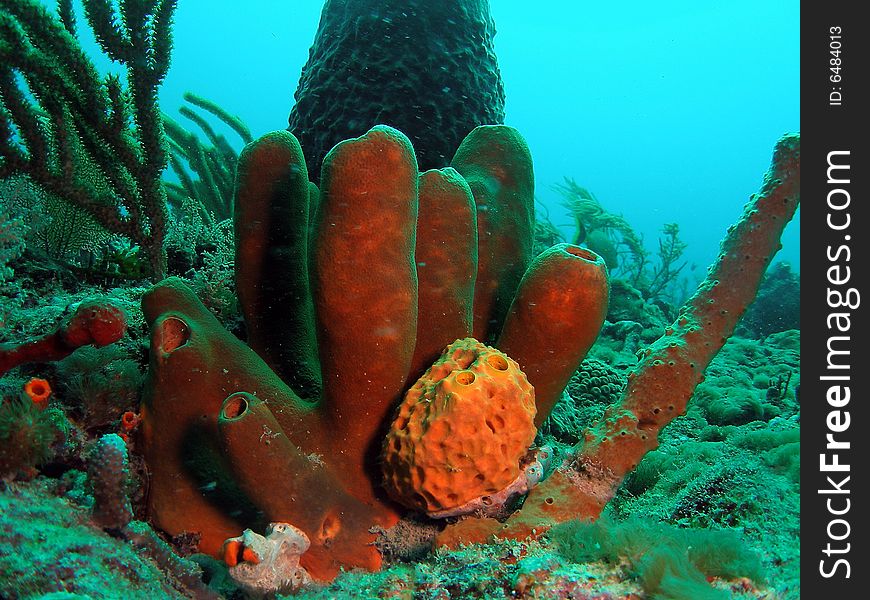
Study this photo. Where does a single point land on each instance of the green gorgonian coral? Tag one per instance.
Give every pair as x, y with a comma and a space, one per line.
83, 137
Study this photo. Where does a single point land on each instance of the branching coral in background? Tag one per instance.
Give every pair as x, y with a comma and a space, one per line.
214, 282
214, 164
58, 231
200, 240
590, 217
85, 138
612, 237
64, 240
12, 231
546, 233
671, 249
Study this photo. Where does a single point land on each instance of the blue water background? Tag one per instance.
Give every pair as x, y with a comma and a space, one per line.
667, 111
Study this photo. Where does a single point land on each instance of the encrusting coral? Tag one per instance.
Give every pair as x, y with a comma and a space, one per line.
232, 446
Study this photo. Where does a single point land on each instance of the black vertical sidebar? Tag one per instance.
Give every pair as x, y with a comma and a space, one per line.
835, 345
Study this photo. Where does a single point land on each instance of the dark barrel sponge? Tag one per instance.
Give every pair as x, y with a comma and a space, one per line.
426, 68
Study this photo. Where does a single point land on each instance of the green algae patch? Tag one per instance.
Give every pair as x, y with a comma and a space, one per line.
668, 561
49, 546
501, 569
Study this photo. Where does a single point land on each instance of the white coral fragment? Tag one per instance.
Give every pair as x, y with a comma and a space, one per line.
270, 564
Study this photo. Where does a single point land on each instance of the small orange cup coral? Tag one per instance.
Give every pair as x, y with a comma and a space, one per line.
38, 391
130, 421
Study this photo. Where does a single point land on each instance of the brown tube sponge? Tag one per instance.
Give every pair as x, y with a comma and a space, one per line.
279, 478
365, 284
271, 230
496, 163
555, 318
446, 256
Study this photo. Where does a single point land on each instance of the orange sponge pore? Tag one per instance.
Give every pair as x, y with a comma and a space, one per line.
461, 430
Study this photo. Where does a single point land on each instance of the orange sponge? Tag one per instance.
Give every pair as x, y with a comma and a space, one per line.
461, 430
38, 391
